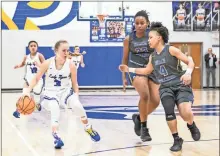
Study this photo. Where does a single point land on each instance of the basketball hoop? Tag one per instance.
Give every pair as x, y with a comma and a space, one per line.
101, 18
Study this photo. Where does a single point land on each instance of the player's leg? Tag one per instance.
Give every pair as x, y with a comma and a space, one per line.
168, 102
37, 90
141, 85
52, 104
154, 96
73, 101
153, 104
184, 103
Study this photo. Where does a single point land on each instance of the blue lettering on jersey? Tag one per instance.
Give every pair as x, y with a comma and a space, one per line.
140, 49
159, 62
57, 79
163, 70
32, 67
34, 70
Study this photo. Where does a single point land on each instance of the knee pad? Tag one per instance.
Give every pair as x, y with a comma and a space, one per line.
77, 107
168, 103
55, 113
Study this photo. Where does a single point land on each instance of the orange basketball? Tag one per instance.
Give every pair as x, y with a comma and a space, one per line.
25, 105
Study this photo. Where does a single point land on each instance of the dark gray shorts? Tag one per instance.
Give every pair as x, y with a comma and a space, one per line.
152, 77
181, 93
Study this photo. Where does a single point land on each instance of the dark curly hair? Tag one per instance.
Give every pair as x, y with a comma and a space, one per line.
160, 29
29, 43
144, 14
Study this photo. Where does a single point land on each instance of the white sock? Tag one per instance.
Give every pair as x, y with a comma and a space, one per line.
87, 126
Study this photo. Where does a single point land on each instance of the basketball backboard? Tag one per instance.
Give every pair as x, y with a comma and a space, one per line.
89, 10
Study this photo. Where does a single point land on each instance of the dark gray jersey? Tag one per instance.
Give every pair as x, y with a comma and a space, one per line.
139, 50
166, 67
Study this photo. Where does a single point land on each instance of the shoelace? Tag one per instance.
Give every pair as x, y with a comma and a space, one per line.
194, 130
91, 132
145, 131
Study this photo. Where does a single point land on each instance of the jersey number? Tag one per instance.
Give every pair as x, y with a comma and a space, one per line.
57, 82
34, 70
141, 49
163, 70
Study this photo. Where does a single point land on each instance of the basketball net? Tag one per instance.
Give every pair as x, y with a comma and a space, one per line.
101, 18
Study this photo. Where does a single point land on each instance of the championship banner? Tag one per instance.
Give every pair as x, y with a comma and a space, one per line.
113, 31
202, 11
182, 13
215, 15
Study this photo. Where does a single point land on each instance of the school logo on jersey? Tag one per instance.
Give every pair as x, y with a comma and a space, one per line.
33, 67
57, 79
30, 15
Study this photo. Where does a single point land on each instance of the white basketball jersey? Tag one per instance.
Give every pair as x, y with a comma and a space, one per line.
200, 12
31, 68
76, 60
57, 80
181, 12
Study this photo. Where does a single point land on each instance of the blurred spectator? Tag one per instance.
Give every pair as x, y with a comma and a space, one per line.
210, 60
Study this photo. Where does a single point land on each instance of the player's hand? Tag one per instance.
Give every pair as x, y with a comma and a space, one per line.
186, 79
123, 68
26, 92
84, 52
125, 83
83, 65
17, 66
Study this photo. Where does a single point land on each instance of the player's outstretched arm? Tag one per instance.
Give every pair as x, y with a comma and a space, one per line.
22, 63
186, 78
182, 57
82, 62
142, 71
125, 60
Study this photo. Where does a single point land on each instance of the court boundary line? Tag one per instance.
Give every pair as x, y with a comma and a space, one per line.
130, 147
32, 150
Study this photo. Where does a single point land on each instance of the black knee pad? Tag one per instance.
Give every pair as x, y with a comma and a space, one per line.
168, 103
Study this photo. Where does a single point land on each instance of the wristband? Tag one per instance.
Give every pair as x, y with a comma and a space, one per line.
26, 91
189, 71
131, 70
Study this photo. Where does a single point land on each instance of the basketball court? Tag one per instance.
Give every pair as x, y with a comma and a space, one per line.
110, 113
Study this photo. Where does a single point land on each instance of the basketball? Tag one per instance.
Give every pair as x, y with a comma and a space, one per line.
25, 105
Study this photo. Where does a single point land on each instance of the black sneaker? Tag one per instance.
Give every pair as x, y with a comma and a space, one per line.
195, 132
177, 146
137, 124
145, 136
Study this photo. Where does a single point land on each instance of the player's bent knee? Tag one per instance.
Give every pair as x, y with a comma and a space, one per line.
168, 103
77, 106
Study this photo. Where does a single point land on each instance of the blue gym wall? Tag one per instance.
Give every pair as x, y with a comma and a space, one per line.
101, 65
